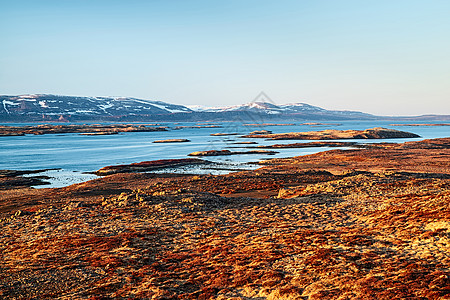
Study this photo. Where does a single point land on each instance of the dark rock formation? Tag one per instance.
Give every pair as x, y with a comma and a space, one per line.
172, 141
228, 152
149, 166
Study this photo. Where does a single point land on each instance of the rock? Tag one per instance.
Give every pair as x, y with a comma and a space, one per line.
223, 134
228, 152
94, 129
261, 132
172, 141
373, 133
149, 166
100, 133
310, 145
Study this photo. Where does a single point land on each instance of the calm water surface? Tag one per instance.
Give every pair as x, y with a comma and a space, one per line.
74, 154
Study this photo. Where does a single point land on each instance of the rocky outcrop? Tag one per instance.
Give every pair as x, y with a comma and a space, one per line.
95, 129
13, 179
373, 133
420, 124
270, 124
228, 152
310, 145
149, 166
223, 134
172, 141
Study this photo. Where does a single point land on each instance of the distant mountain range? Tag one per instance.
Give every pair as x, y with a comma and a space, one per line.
42, 107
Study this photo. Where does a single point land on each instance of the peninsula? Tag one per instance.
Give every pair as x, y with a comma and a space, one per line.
371, 223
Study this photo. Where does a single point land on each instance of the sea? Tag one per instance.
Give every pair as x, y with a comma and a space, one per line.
73, 157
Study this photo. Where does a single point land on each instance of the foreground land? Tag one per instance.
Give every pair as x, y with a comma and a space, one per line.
343, 224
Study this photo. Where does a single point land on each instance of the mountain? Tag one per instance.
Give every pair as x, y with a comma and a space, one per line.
51, 106
42, 107
291, 109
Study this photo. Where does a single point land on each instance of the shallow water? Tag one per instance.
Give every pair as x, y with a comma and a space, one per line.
75, 154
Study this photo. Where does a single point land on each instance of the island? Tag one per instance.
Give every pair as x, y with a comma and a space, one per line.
309, 145
228, 152
92, 129
332, 134
172, 141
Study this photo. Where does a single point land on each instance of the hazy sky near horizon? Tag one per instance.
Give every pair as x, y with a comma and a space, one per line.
376, 56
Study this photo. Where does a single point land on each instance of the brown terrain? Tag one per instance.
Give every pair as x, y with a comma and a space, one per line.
343, 224
95, 129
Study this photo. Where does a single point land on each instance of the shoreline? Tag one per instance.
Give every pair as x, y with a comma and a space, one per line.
367, 222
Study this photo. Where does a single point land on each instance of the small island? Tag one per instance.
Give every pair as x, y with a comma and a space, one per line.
172, 141
373, 133
93, 129
309, 145
224, 134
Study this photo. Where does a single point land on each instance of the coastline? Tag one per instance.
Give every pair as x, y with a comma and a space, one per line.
361, 223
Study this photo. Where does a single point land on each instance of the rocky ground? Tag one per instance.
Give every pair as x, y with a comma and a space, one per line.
355, 224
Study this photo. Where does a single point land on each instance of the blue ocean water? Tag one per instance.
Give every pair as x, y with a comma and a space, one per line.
74, 154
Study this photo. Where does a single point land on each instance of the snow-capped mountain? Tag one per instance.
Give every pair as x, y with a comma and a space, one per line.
271, 109
252, 106
70, 105
41, 107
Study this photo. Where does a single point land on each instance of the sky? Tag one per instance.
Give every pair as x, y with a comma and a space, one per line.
376, 56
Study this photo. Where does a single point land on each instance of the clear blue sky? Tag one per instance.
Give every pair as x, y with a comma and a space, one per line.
377, 56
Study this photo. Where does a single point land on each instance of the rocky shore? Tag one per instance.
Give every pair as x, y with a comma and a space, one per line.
146, 166
172, 141
228, 152
418, 124
343, 224
373, 133
311, 145
95, 129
